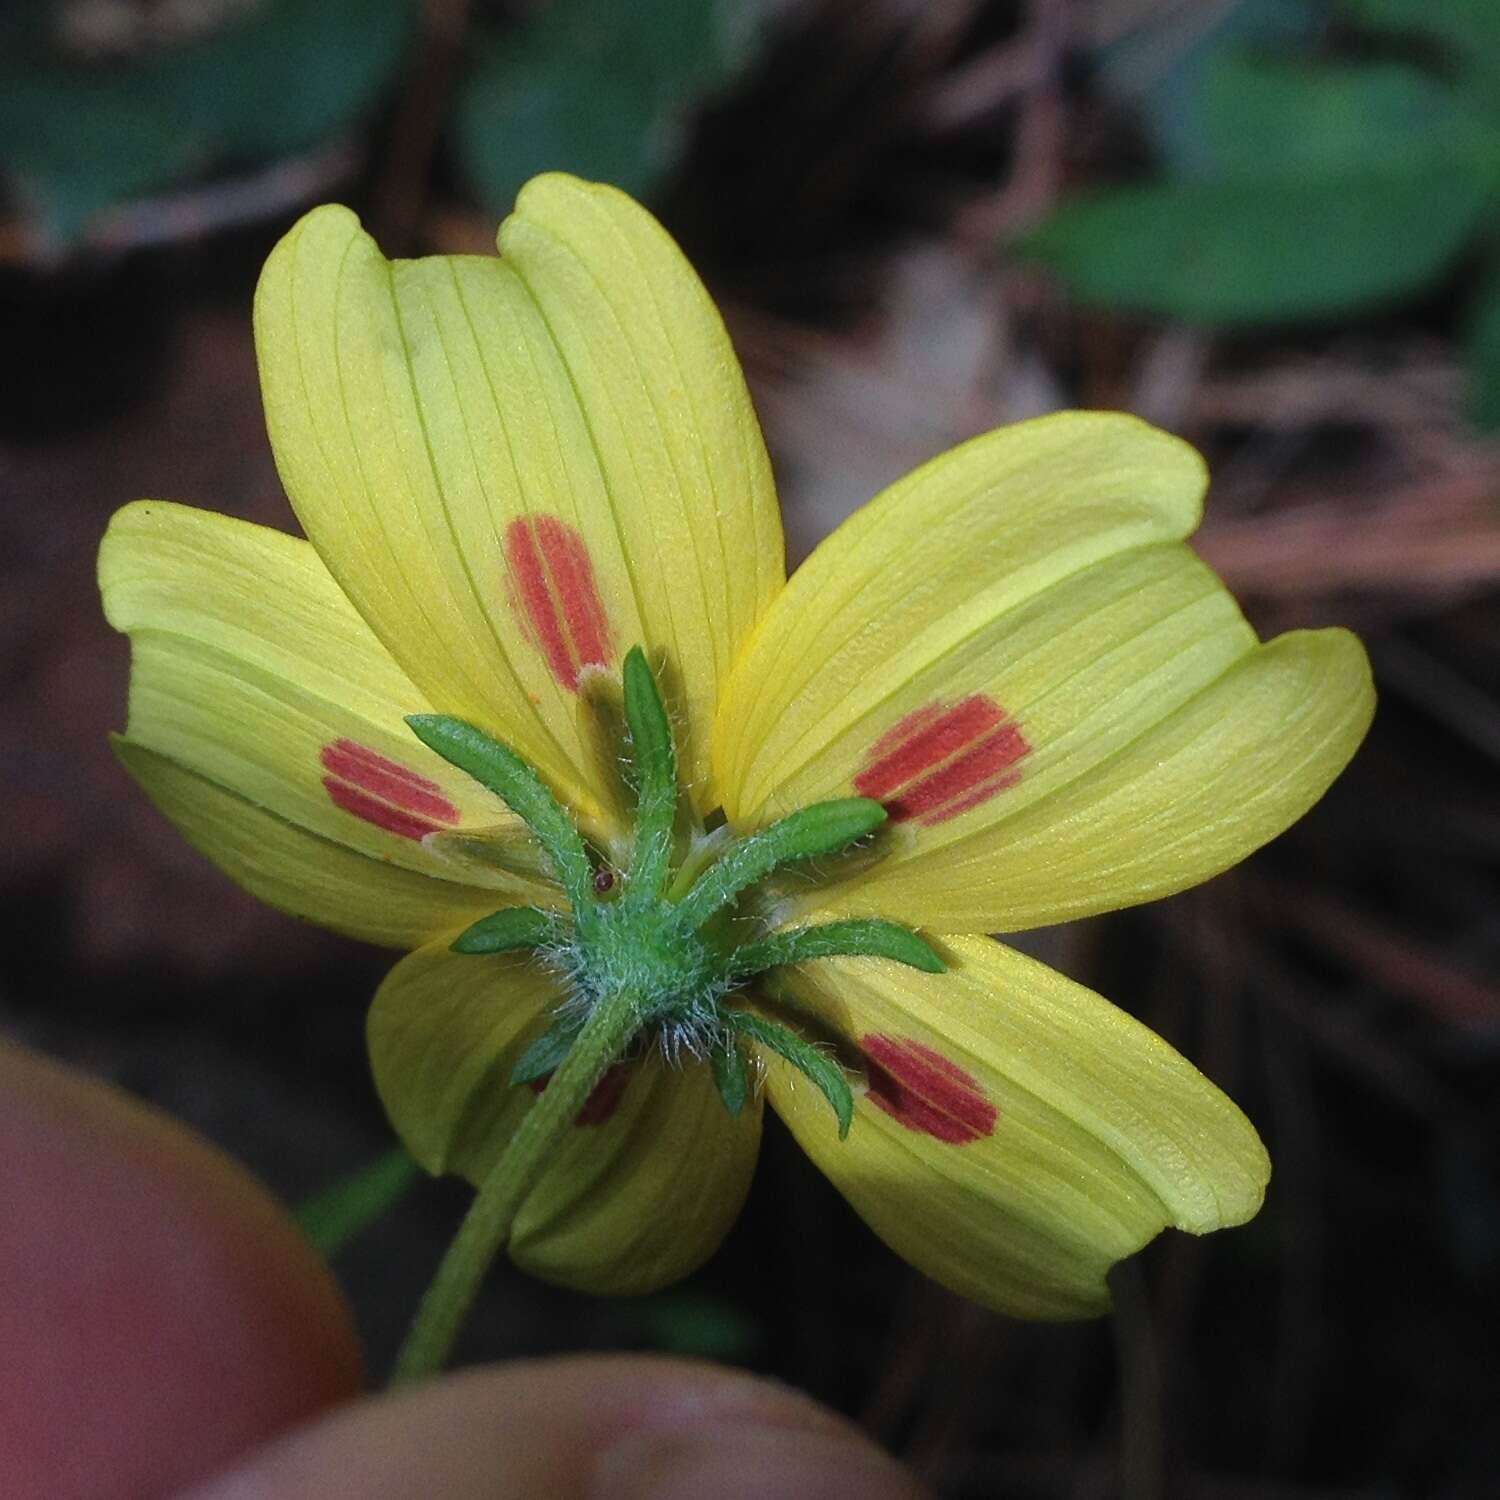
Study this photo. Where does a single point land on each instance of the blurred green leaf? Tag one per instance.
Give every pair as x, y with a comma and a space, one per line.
691, 1324
74, 152
1333, 186
1468, 31
1164, 65
1484, 352
334, 1217
79, 137
1263, 250
1283, 118
593, 87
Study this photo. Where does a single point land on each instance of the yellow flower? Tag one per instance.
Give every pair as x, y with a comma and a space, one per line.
512, 471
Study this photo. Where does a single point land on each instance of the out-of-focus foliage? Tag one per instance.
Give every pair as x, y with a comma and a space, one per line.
1466, 33
345, 1209
79, 134
693, 1324
593, 87
101, 103
1317, 184
1171, 96
1484, 352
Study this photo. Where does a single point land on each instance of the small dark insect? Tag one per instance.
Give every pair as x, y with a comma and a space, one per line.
604, 880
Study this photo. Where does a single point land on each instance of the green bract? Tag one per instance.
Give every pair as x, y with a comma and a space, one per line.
676, 959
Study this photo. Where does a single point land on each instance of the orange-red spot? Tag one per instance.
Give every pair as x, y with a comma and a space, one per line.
384, 792
554, 591
603, 1102
943, 759
925, 1091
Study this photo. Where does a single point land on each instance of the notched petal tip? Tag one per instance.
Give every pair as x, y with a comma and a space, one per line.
550, 193
327, 223
326, 233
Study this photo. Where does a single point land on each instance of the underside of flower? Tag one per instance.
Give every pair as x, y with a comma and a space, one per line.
677, 934
1003, 695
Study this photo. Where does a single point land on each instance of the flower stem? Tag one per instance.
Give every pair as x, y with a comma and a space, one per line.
487, 1226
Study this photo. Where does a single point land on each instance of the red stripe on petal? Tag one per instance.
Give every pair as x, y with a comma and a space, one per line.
388, 780
537, 607
605, 1100
981, 793
943, 760
905, 730
576, 591
557, 596
922, 740
965, 781
353, 753
927, 1092
381, 814
600, 1105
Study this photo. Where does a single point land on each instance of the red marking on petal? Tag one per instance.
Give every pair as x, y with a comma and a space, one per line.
922, 740
536, 603
943, 759
381, 814
573, 579
384, 792
605, 1099
981, 793
912, 724
554, 590
344, 754
967, 779
927, 1092
388, 780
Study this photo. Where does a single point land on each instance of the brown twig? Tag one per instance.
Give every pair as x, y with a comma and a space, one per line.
406, 172
1393, 961
194, 213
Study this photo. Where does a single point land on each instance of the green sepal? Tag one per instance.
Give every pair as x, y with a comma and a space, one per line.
508, 929
484, 850
818, 1066
604, 745
823, 828
857, 938
499, 769
545, 1055
731, 1077
341, 1212
655, 758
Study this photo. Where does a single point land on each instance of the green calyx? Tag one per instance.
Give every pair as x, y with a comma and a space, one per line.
664, 931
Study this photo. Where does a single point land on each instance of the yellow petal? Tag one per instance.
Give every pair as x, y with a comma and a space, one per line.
519, 468
1185, 798
298, 872
259, 695
991, 643
1221, 776
1020, 1134
650, 1178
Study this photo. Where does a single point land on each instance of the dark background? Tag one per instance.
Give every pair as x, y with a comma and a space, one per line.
857, 182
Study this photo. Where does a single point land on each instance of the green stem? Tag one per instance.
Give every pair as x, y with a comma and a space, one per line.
487, 1226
